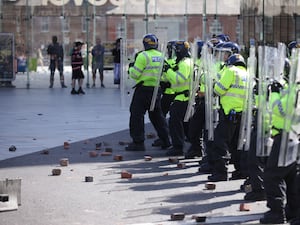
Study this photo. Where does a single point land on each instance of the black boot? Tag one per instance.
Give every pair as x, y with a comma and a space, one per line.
80, 91
272, 217
135, 147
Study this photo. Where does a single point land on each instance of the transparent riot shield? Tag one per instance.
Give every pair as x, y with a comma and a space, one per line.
211, 102
289, 146
264, 113
246, 120
194, 81
163, 48
129, 50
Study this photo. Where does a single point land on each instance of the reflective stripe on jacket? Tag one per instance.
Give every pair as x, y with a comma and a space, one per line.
147, 67
232, 88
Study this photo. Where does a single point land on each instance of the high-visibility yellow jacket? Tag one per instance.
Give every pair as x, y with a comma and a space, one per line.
147, 67
232, 88
180, 79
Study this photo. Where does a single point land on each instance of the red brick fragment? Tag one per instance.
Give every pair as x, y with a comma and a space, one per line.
106, 153
126, 175
56, 172
210, 186
181, 165
244, 207
173, 160
93, 154
177, 216
118, 157
64, 162
147, 158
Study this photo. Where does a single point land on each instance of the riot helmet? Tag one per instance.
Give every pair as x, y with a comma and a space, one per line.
150, 41
182, 49
236, 60
199, 48
223, 37
231, 47
292, 45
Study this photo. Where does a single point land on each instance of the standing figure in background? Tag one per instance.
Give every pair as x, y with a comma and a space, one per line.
56, 53
98, 61
40, 58
116, 52
77, 62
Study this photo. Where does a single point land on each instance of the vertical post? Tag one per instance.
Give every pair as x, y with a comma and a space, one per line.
146, 17
1, 16
94, 23
87, 40
262, 34
186, 21
62, 18
27, 41
204, 21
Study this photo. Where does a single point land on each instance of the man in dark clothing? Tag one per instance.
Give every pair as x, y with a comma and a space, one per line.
116, 52
56, 53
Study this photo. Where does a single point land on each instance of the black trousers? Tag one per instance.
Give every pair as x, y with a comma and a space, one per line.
280, 182
166, 101
140, 104
255, 165
197, 125
225, 141
178, 128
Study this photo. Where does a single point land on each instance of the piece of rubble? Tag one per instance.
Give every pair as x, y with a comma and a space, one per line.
118, 157
177, 216
126, 175
45, 152
210, 186
181, 165
108, 149
66, 145
147, 158
150, 135
93, 154
4, 197
12, 148
89, 179
56, 172
244, 207
173, 160
106, 153
98, 146
64, 162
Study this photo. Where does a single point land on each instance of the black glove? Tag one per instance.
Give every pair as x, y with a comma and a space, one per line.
275, 86
164, 85
131, 64
166, 67
175, 68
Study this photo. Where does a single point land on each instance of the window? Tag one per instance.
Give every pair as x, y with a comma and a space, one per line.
45, 24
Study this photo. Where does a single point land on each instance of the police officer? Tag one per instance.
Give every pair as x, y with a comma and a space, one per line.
232, 91
197, 121
56, 53
280, 181
179, 77
168, 93
145, 71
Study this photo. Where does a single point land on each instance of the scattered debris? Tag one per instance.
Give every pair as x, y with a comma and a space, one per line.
173, 160
64, 162
126, 175
150, 135
56, 172
147, 158
244, 207
66, 145
12, 148
177, 216
181, 165
106, 153
4, 198
93, 154
210, 186
108, 149
89, 179
45, 152
118, 157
